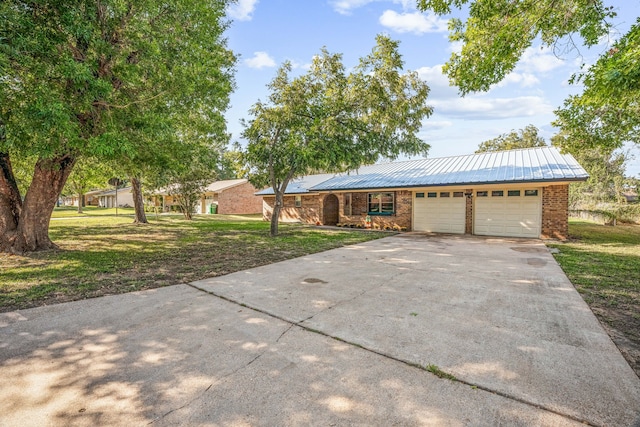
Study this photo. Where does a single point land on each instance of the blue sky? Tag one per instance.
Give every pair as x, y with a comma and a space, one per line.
265, 33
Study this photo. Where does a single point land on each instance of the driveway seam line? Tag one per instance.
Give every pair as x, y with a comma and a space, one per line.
386, 356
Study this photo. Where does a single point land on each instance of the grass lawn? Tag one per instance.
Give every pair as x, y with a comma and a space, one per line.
72, 211
102, 255
603, 263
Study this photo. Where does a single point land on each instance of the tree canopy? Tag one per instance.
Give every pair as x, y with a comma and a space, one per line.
607, 113
496, 33
523, 138
331, 121
114, 80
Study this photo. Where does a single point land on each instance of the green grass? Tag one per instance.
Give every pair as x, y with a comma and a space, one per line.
72, 211
603, 263
101, 255
435, 370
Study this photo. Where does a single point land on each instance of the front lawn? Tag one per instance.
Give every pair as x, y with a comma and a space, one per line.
72, 211
603, 263
103, 255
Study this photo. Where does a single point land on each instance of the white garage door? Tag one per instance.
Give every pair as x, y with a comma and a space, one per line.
439, 211
510, 213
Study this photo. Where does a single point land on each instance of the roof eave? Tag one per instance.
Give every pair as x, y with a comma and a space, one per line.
460, 184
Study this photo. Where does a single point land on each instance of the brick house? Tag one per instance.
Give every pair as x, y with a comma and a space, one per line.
231, 196
516, 193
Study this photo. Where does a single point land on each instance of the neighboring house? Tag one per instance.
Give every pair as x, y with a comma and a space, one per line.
516, 193
109, 198
90, 199
232, 196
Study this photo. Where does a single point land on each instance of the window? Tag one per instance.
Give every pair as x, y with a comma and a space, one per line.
432, 194
482, 193
458, 194
419, 195
497, 193
513, 193
347, 204
445, 194
381, 203
298, 201
530, 192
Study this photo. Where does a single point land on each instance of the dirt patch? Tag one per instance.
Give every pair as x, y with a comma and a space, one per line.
622, 323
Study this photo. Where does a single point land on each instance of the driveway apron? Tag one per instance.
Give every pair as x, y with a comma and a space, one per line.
354, 336
498, 314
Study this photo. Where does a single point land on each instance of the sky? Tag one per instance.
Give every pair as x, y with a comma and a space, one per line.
266, 33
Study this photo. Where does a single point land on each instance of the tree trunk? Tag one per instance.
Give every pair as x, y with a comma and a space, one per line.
138, 202
275, 215
32, 230
10, 202
80, 200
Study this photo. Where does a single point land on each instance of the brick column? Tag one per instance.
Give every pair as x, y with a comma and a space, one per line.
555, 212
468, 224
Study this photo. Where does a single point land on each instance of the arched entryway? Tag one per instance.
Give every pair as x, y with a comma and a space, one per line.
330, 210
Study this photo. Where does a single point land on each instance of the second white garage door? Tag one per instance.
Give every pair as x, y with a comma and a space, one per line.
510, 213
439, 212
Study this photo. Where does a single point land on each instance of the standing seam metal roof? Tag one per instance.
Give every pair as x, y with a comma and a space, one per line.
540, 164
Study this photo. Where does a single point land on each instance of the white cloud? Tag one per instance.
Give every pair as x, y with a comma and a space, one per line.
438, 83
435, 124
523, 79
539, 60
242, 9
344, 7
260, 60
414, 22
485, 108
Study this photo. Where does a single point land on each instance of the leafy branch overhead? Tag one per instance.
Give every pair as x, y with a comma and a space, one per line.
330, 120
496, 33
607, 113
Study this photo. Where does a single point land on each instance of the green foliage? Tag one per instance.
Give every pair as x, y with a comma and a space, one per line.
607, 113
606, 168
523, 138
114, 80
496, 33
328, 120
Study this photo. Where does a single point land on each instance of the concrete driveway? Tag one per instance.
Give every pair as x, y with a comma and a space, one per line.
338, 338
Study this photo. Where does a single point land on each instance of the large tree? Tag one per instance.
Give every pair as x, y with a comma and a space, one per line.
328, 120
607, 113
605, 165
85, 78
497, 32
523, 138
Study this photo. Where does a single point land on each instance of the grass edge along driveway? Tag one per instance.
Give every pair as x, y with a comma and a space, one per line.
603, 263
104, 255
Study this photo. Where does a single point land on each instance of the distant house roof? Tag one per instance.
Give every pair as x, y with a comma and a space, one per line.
219, 186
541, 164
112, 192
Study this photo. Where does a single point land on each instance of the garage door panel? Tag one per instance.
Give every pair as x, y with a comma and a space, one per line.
510, 216
439, 214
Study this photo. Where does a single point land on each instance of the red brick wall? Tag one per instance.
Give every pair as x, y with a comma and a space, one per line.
555, 212
309, 213
400, 220
468, 220
239, 200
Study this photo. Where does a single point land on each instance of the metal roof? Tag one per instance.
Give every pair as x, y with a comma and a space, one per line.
541, 164
300, 185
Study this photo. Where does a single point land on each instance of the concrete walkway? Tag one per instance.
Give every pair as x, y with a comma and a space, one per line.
337, 338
